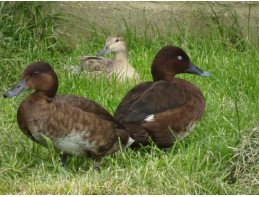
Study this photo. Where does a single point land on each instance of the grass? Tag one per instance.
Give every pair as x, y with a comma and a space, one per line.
219, 157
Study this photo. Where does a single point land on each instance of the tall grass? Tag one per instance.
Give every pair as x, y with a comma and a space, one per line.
27, 33
212, 160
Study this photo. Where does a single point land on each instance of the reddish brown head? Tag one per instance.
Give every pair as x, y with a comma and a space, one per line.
170, 61
39, 76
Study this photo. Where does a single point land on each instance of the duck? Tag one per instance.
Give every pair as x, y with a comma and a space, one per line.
166, 109
119, 66
75, 125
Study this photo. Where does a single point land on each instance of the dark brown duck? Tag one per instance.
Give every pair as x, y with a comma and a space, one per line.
167, 108
75, 125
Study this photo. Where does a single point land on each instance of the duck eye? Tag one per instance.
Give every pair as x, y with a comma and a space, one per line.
117, 40
179, 57
35, 73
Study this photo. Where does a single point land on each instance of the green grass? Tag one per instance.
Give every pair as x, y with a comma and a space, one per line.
219, 157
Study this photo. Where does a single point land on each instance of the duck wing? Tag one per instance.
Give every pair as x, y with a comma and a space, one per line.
149, 98
85, 105
91, 63
129, 99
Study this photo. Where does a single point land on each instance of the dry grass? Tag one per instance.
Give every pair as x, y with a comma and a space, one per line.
245, 162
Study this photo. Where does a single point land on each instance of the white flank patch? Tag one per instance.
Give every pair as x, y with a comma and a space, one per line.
130, 141
150, 118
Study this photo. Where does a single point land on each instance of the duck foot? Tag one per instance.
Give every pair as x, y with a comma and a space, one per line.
63, 159
96, 166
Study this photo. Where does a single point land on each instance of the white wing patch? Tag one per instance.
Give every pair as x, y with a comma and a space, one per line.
150, 118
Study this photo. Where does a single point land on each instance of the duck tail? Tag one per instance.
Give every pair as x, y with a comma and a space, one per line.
125, 139
137, 133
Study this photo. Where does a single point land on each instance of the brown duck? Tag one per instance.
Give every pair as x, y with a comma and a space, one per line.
75, 125
167, 108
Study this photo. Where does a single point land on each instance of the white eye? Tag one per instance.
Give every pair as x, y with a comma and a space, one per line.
180, 57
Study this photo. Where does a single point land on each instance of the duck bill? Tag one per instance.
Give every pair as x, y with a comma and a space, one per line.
195, 70
19, 88
105, 50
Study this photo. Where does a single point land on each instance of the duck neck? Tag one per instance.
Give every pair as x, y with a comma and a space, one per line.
158, 76
48, 94
39, 96
121, 55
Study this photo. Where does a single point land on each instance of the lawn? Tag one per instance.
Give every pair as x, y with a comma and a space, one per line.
221, 156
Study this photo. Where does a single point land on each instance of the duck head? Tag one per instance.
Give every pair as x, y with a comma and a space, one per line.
39, 76
114, 44
172, 60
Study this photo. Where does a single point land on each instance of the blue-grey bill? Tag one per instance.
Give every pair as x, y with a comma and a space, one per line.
19, 88
105, 50
195, 70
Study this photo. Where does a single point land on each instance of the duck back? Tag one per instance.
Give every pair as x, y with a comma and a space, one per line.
87, 105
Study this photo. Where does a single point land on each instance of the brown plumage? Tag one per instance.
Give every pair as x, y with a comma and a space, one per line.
167, 108
86, 105
75, 125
